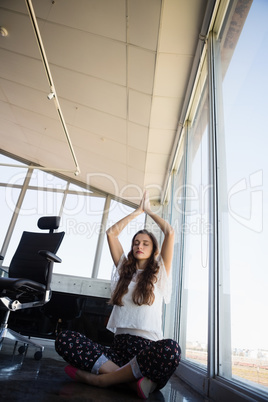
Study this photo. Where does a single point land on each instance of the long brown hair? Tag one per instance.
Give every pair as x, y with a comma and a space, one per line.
144, 289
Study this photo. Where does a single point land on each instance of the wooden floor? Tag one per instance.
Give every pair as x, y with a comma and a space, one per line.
22, 378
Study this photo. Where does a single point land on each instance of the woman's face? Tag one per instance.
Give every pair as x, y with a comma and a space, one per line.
142, 246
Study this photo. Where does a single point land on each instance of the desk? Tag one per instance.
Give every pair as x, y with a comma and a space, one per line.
82, 313
81, 286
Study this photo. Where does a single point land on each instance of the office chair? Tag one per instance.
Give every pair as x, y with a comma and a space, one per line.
29, 277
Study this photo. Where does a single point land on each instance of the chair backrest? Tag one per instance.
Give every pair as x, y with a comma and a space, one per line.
49, 222
27, 263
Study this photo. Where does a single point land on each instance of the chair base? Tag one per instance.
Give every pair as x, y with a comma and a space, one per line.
10, 334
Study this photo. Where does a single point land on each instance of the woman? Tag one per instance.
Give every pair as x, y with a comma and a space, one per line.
139, 355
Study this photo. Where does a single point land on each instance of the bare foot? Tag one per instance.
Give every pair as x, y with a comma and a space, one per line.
121, 376
89, 378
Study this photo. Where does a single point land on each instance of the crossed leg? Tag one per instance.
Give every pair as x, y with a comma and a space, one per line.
109, 374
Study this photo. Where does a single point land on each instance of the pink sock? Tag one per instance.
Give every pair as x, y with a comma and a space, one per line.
70, 371
145, 387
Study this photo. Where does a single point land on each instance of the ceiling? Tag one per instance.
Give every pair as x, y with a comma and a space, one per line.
120, 70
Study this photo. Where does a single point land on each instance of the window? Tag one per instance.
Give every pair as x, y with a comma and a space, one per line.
81, 210
10, 186
174, 213
193, 335
81, 221
242, 151
39, 200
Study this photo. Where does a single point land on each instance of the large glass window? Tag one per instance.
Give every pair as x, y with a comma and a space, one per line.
243, 190
81, 220
10, 185
174, 213
194, 315
81, 211
40, 199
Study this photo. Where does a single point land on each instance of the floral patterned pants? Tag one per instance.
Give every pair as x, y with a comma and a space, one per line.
157, 360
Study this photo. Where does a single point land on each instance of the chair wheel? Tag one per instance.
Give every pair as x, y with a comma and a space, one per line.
21, 350
38, 355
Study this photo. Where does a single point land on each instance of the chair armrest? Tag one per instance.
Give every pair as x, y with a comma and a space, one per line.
49, 256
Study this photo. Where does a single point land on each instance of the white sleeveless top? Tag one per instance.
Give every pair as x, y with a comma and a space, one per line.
144, 320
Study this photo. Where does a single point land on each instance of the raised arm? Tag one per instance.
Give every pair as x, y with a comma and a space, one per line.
113, 232
167, 229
